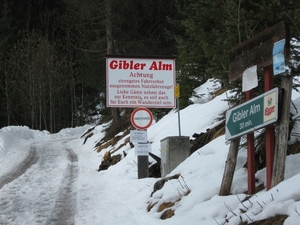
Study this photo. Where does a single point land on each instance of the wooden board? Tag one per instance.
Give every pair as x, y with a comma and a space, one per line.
257, 50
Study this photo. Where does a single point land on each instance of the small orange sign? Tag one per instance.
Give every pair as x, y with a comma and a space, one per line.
177, 91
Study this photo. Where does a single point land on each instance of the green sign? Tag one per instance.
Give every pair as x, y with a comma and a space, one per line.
252, 115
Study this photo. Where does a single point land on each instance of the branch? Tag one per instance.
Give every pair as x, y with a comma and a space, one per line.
217, 221
241, 202
186, 186
230, 209
249, 217
259, 204
297, 211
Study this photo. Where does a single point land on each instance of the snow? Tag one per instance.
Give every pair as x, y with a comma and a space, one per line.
116, 196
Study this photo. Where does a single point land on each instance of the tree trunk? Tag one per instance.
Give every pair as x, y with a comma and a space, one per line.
72, 85
7, 95
50, 106
114, 111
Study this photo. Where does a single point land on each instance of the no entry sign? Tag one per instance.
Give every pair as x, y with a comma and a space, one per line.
141, 118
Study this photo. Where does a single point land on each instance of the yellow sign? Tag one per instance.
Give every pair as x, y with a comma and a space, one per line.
177, 91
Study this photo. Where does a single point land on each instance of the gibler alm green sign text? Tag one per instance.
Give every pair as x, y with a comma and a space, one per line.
252, 115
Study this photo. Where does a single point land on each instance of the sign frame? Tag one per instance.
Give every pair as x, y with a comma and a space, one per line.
243, 123
140, 81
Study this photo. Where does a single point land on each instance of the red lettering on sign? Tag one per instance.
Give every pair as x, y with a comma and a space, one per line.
125, 65
160, 66
269, 110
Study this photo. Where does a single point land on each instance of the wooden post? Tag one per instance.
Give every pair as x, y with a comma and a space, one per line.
283, 128
232, 158
230, 167
270, 130
270, 146
250, 154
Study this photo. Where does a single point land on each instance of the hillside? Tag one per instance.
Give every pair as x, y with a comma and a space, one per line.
193, 197
42, 173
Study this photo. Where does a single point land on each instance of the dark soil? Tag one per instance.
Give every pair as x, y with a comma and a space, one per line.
276, 220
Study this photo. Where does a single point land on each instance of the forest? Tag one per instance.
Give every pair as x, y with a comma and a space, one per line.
53, 52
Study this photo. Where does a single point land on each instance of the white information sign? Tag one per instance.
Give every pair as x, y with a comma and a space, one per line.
138, 136
142, 149
140, 82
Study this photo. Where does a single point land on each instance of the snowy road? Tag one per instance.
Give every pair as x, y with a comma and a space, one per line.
50, 172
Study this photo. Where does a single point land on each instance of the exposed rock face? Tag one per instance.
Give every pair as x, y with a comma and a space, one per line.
205, 137
160, 183
109, 160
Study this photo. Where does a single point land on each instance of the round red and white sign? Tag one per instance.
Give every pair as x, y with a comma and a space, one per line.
141, 118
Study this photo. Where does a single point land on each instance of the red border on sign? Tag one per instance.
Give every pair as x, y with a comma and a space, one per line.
116, 89
137, 126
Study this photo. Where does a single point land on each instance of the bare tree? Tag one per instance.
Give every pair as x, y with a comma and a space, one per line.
108, 24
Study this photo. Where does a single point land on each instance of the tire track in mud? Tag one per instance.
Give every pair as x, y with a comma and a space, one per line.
65, 205
28, 162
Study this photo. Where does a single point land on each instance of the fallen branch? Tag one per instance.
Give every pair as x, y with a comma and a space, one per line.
241, 202
229, 209
259, 204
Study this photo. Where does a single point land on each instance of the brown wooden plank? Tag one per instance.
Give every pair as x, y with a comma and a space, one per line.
257, 50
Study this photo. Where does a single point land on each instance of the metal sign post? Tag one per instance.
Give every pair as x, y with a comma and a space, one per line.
141, 118
177, 95
142, 148
142, 151
140, 81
